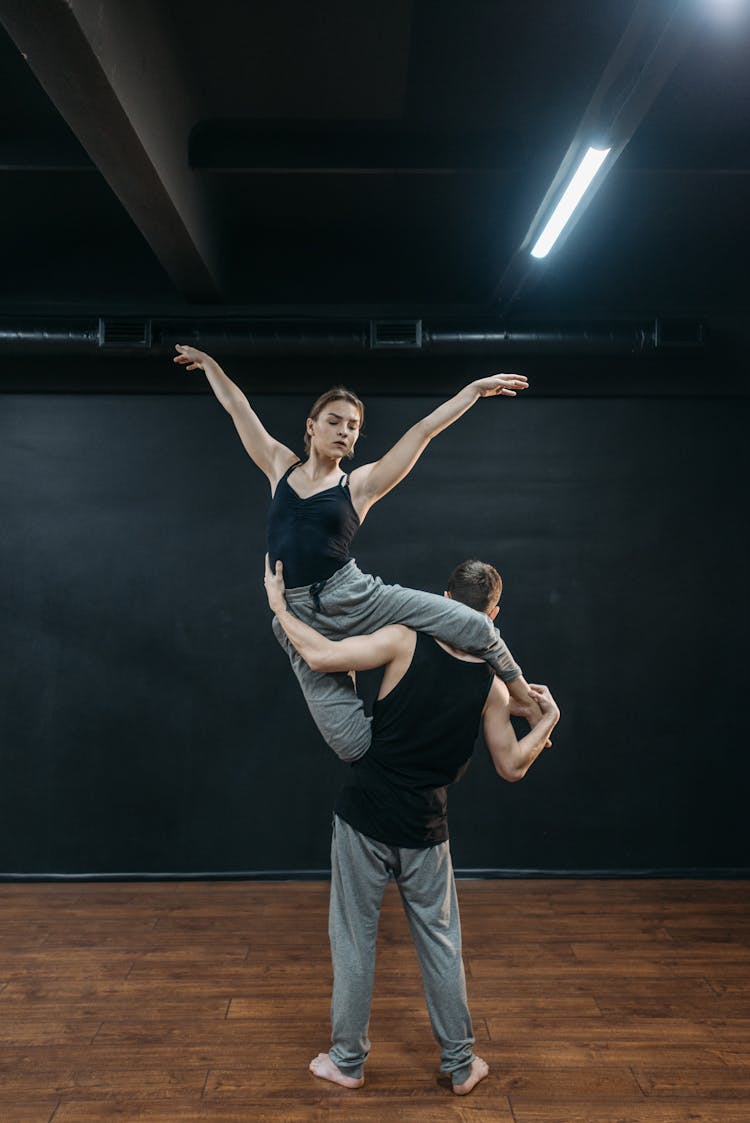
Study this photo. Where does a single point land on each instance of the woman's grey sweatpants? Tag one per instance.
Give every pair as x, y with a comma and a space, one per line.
360, 870
354, 603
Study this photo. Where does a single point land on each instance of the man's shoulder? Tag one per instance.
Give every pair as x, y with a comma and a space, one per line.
455, 652
498, 697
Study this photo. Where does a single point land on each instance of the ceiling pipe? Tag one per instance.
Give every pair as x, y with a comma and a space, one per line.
120, 337
622, 339
48, 337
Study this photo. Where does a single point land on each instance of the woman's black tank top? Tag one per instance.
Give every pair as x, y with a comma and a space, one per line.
310, 536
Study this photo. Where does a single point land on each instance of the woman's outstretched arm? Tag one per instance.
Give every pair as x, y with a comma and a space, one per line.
372, 481
270, 455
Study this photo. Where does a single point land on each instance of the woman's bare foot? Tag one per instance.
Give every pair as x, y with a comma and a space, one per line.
323, 1066
479, 1070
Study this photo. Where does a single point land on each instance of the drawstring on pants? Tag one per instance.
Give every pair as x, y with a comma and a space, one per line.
315, 590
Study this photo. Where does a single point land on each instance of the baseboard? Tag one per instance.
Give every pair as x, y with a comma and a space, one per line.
702, 873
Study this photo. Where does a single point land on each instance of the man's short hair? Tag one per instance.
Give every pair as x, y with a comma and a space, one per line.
476, 584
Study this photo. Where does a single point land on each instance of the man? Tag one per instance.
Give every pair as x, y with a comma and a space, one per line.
390, 819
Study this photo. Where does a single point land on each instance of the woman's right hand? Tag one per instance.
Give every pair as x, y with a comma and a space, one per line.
544, 700
506, 384
275, 588
191, 357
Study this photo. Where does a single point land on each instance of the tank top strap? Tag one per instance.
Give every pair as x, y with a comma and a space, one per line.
290, 469
344, 481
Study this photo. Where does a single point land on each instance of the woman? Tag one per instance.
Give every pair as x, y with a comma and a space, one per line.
315, 513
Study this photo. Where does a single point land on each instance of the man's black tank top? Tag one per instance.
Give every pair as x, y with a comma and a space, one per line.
423, 735
310, 536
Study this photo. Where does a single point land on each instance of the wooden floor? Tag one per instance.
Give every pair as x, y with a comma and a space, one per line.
596, 1001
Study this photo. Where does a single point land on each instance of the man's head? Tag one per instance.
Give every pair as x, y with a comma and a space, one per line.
476, 584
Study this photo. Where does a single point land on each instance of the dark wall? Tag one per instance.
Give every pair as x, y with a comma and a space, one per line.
150, 722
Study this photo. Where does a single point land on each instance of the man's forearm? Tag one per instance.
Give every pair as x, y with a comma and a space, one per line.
530, 746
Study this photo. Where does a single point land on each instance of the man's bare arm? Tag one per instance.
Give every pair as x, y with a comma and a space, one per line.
513, 758
523, 701
356, 653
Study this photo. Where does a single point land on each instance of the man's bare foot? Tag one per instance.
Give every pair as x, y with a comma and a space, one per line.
323, 1066
479, 1070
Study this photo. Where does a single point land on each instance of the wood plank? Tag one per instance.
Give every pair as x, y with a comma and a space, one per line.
603, 1030
726, 1083
507, 1006
600, 985
37, 1110
160, 1002
335, 1104
39, 961
613, 1111
160, 1082
46, 893
542, 1050
197, 953
17, 1086
734, 1057
23, 1061
28, 1031
717, 924
736, 985
544, 958
671, 954
679, 1006
170, 986
216, 1039
730, 1032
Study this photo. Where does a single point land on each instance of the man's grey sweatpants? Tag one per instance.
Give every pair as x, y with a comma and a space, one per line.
360, 870
354, 603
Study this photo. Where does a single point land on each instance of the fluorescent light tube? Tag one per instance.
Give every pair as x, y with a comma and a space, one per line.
572, 196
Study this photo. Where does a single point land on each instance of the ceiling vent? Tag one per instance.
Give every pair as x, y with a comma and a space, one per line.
674, 334
125, 333
389, 334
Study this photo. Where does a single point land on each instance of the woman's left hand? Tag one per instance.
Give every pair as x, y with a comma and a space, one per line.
507, 384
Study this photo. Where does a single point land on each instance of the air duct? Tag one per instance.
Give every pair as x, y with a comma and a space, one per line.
133, 332
387, 334
48, 336
134, 336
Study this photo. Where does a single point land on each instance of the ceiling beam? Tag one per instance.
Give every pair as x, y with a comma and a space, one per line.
111, 72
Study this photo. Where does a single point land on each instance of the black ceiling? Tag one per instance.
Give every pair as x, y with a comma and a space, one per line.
282, 156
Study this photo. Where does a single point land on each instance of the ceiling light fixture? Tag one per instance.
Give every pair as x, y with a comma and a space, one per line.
569, 200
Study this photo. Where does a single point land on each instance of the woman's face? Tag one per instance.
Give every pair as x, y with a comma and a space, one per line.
335, 430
